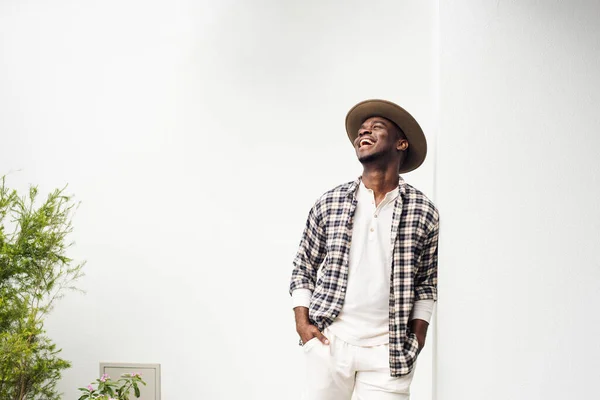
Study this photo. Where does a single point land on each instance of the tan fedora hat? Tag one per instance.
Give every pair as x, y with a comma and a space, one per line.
417, 144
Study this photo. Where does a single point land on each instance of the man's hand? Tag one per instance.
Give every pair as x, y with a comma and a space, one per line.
419, 328
305, 329
309, 331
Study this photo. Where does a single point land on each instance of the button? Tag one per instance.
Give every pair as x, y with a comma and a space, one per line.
375, 215
372, 230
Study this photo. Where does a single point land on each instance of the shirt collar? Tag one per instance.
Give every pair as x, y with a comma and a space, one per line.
363, 192
354, 187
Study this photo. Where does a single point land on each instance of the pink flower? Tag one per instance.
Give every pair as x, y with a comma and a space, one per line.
104, 377
90, 388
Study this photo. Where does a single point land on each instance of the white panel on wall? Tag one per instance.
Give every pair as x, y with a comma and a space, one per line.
518, 190
150, 374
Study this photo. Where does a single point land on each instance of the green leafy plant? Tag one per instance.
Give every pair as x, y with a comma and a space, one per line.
107, 389
34, 273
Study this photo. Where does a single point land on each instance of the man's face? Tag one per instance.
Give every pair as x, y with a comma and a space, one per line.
379, 138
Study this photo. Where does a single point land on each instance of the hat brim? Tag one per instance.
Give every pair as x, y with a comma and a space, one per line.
417, 144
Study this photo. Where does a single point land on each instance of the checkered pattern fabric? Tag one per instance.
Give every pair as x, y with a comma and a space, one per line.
321, 263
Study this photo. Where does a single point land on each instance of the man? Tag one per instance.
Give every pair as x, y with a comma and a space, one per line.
365, 276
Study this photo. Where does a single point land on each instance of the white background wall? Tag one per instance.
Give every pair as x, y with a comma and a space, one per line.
197, 135
518, 187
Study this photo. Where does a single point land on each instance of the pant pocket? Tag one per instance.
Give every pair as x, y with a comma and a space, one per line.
310, 344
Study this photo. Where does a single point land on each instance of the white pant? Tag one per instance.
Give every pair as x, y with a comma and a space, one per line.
337, 370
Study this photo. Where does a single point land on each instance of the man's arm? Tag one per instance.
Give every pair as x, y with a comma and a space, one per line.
309, 257
426, 284
419, 320
311, 252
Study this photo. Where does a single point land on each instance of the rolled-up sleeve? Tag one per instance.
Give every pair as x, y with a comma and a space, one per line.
426, 277
311, 252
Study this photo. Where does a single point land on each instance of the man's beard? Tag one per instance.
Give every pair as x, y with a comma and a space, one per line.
378, 157
369, 158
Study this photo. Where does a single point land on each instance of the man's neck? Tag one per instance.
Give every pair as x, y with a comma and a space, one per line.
380, 181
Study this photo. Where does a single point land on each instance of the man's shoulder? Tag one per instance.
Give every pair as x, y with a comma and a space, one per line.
334, 197
418, 197
338, 192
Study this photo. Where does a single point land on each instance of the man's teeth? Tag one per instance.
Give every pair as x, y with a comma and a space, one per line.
365, 141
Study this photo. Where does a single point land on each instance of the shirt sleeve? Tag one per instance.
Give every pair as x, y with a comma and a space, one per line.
301, 298
426, 278
423, 309
311, 252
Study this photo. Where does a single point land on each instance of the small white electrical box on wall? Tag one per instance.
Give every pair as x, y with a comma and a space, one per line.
150, 375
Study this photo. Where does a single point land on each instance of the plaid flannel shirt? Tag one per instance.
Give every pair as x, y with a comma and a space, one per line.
321, 263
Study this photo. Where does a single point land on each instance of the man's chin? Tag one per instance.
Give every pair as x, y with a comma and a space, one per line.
367, 158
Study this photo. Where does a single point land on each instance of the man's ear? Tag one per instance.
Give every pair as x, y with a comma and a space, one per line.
402, 145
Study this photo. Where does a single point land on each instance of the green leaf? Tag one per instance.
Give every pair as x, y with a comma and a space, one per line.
35, 271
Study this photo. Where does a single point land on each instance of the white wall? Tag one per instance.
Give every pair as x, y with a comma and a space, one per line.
197, 135
518, 190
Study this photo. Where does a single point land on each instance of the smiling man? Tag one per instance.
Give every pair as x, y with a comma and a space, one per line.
364, 280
